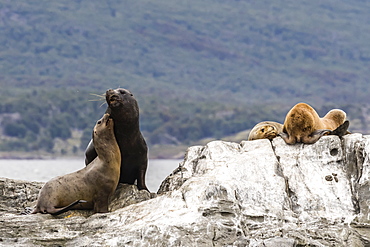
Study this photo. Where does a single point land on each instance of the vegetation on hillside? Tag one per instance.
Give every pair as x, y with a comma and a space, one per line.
32, 121
198, 68
35, 121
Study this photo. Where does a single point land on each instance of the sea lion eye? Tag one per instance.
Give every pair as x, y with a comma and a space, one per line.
99, 122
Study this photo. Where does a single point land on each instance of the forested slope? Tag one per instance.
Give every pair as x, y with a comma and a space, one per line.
198, 68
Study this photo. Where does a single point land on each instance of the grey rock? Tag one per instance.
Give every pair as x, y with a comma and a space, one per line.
17, 194
256, 193
126, 195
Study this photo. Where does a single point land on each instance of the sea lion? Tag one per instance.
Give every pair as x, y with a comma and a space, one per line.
90, 187
265, 130
303, 125
124, 110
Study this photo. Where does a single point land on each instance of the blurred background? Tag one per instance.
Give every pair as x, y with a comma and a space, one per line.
200, 70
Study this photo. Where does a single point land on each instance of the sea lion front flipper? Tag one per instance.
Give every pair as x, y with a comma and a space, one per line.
288, 139
101, 204
141, 180
341, 130
90, 153
315, 136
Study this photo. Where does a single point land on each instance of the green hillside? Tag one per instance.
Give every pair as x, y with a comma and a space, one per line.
199, 69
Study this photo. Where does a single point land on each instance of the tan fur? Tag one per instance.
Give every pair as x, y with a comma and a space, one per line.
302, 124
334, 118
94, 183
265, 130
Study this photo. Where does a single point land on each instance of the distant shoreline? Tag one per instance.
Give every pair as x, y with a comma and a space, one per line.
157, 152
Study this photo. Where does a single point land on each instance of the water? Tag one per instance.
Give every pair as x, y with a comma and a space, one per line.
44, 170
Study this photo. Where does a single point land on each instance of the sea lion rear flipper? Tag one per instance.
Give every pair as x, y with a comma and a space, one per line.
341, 130
66, 208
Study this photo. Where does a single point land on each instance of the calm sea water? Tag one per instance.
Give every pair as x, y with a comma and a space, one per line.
44, 170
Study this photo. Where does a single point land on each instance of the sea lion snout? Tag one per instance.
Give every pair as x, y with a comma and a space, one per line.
112, 98
105, 121
116, 97
105, 118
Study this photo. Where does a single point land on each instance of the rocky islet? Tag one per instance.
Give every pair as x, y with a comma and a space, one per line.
256, 193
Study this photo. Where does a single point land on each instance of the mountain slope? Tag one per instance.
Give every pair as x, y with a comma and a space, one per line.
277, 49
198, 68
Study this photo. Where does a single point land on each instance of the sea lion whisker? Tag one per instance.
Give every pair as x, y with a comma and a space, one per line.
103, 104
100, 97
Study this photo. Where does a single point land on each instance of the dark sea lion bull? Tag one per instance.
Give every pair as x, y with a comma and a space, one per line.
303, 125
124, 110
90, 187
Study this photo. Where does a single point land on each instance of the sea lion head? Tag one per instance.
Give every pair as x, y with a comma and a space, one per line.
305, 129
122, 104
301, 123
103, 130
267, 131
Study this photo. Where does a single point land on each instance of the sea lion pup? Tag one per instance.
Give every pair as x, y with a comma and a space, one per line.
124, 110
265, 130
303, 125
90, 187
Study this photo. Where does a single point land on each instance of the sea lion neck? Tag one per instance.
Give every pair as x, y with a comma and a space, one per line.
127, 130
124, 116
103, 136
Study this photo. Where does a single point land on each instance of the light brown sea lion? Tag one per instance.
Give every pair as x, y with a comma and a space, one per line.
303, 125
90, 187
265, 130
124, 110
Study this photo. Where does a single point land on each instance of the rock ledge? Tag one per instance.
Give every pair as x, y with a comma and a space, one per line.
256, 193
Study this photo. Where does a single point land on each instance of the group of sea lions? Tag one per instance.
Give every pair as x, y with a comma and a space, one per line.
116, 154
302, 125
